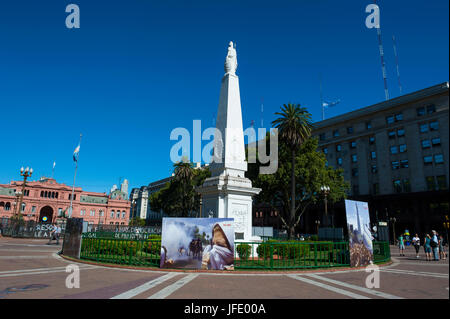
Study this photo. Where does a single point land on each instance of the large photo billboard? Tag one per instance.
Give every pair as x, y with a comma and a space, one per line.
360, 237
197, 243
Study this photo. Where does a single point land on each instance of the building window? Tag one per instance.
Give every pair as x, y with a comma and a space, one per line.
42, 193
118, 214
434, 126
354, 172
397, 186
423, 128
59, 212
390, 119
353, 144
373, 155
438, 159
112, 214
431, 109
123, 215
426, 144
368, 125
371, 140
400, 132
322, 137
441, 182
101, 213
376, 188
350, 130
92, 213
398, 117
404, 163
74, 196
395, 165
420, 111
406, 185
325, 150
82, 212
339, 160
374, 169
23, 207
33, 209
430, 183
402, 148
391, 134
336, 133
354, 158
394, 149
355, 190
436, 141
338, 147
428, 160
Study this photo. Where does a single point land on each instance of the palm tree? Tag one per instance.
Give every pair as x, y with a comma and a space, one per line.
294, 125
184, 174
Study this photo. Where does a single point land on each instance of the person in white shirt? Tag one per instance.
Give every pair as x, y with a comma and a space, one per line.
416, 243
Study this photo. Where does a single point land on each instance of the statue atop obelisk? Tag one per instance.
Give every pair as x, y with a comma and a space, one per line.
231, 59
228, 193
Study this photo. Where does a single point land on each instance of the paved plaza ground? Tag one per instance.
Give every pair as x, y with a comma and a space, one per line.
30, 269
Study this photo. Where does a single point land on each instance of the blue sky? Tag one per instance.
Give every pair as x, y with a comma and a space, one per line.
137, 69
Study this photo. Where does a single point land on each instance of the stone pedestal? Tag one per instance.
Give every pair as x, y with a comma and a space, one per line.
230, 197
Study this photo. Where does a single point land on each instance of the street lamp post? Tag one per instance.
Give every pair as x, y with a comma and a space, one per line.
325, 190
27, 172
446, 226
393, 220
317, 226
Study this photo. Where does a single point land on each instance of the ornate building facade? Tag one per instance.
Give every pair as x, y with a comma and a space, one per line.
47, 201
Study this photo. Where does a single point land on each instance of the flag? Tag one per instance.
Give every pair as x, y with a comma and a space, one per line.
330, 104
54, 163
75, 153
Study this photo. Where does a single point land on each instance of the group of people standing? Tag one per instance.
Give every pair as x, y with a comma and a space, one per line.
433, 246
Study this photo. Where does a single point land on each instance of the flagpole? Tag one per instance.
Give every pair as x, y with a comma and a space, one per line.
321, 98
73, 186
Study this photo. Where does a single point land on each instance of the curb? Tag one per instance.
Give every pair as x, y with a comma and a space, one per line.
154, 269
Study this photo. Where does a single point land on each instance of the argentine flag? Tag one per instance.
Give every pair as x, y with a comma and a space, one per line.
75, 153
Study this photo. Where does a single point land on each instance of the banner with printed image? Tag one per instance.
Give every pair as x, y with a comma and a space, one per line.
197, 243
359, 235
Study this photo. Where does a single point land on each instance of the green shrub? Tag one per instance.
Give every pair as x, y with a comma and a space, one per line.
244, 251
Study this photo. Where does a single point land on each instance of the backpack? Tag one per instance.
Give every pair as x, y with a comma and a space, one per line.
433, 244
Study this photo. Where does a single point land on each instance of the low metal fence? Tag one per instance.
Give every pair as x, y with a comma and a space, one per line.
271, 255
135, 252
28, 229
291, 255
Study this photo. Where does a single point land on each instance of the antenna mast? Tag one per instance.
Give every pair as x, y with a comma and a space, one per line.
383, 65
396, 63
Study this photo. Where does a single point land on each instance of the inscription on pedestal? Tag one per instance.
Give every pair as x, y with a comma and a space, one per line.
239, 213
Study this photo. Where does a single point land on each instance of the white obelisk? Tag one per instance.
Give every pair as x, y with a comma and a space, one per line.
228, 193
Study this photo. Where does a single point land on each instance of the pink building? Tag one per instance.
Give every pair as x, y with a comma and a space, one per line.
47, 201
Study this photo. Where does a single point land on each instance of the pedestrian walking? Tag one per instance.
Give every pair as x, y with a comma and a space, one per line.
57, 233
401, 245
416, 244
52, 234
427, 247
435, 245
442, 253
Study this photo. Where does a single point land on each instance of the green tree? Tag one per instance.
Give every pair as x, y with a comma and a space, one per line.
294, 126
311, 172
179, 197
136, 221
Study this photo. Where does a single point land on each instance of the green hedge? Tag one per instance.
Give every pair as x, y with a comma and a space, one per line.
244, 251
